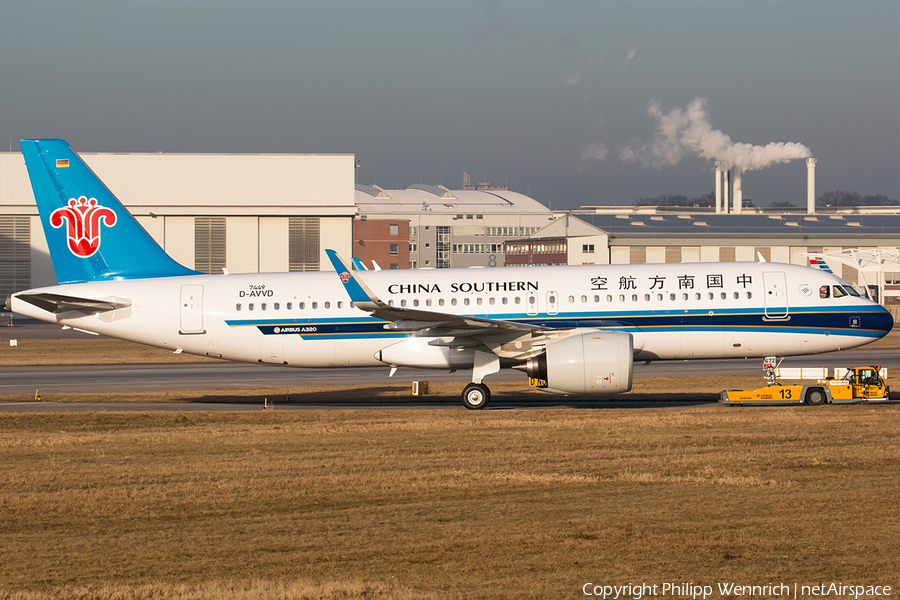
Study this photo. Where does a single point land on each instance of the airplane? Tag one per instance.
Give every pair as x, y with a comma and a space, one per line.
574, 330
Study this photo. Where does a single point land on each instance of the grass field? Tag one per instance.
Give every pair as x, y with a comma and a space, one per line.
436, 503
444, 503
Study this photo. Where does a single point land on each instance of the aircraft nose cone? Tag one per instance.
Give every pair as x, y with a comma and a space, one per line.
882, 321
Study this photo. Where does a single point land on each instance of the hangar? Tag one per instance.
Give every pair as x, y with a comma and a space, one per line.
244, 212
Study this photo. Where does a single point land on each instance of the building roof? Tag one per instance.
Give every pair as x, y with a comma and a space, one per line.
786, 225
373, 200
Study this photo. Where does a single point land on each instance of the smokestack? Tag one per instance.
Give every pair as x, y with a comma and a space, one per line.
811, 186
718, 189
737, 194
726, 190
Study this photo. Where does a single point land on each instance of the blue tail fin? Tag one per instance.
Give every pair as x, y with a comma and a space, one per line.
90, 234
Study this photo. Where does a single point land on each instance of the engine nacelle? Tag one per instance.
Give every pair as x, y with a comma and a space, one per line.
587, 362
417, 352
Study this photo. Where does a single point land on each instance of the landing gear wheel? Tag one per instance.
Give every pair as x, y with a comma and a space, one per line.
815, 397
476, 396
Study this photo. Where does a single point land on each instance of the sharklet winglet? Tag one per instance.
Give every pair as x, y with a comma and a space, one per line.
359, 292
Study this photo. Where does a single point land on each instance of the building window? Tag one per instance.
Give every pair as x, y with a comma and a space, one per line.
209, 244
15, 254
395, 249
443, 246
587, 248
303, 244
395, 229
395, 266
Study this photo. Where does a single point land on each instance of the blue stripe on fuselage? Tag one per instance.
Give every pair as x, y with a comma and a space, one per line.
858, 321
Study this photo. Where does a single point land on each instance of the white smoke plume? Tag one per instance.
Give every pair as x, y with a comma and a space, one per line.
681, 133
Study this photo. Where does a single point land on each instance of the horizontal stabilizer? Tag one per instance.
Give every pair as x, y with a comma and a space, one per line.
56, 303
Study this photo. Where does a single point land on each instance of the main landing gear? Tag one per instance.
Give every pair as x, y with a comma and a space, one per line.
476, 396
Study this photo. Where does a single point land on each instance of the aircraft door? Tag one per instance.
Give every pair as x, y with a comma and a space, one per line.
775, 299
531, 306
552, 303
191, 309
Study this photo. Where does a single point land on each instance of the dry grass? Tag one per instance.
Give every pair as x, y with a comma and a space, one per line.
108, 351
101, 351
444, 503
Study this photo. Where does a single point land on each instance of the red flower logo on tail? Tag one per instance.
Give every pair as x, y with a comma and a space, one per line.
83, 217
345, 276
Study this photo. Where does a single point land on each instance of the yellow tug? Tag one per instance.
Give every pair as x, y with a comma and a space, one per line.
859, 384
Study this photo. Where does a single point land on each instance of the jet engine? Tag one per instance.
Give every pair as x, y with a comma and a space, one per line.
586, 362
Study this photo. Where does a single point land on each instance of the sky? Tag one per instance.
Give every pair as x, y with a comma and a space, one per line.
572, 103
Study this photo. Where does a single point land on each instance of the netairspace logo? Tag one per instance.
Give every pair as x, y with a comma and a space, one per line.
770, 590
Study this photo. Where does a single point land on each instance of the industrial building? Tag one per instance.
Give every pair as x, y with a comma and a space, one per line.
448, 228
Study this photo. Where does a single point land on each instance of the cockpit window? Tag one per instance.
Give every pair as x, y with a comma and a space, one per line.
824, 291
851, 290
839, 291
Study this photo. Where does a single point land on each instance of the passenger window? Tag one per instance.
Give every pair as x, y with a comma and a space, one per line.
571, 299
552, 299
276, 306
315, 305
263, 306
453, 302
403, 303
250, 306
597, 298
518, 300
671, 296
328, 305
737, 295
492, 300
724, 295
712, 296
824, 291
684, 296
609, 297
301, 305
390, 302
621, 297
289, 305
503, 300
237, 307
698, 295
416, 302
428, 302
340, 304
659, 297
634, 297
440, 301
466, 301
478, 301
646, 297
749, 295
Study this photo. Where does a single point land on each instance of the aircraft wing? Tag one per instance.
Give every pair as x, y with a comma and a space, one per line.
407, 319
57, 303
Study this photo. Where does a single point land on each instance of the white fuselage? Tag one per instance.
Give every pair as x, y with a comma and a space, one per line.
673, 311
